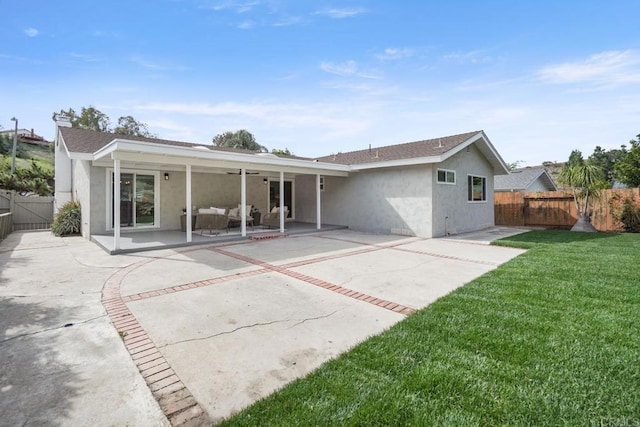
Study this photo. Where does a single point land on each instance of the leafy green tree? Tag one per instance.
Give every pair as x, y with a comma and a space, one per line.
281, 152
238, 139
89, 118
127, 125
606, 160
584, 179
627, 169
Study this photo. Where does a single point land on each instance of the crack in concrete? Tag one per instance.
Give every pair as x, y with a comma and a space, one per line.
26, 334
314, 318
300, 321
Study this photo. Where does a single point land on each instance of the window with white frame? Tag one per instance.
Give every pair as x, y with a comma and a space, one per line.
477, 190
446, 176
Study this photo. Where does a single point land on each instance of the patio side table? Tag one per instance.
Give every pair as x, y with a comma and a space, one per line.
183, 222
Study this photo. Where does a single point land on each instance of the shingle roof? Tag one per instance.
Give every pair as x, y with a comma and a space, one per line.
89, 141
521, 179
409, 150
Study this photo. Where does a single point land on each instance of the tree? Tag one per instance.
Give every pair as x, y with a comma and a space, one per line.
238, 139
89, 118
584, 179
627, 169
607, 160
127, 125
284, 152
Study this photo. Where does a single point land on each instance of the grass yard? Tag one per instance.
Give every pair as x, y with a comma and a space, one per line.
550, 338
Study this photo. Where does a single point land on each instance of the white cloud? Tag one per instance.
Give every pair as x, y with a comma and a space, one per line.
473, 57
86, 57
151, 65
31, 32
341, 13
246, 25
394, 53
235, 5
605, 68
347, 69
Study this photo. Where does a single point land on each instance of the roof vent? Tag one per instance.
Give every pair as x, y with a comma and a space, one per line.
439, 143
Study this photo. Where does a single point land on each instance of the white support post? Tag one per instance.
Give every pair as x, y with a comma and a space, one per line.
116, 204
282, 202
189, 212
243, 202
318, 209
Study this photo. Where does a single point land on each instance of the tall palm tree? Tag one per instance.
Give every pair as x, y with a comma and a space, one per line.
584, 179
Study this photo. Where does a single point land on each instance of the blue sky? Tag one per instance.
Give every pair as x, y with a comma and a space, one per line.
539, 77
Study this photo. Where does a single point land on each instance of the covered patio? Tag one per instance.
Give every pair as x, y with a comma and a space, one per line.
136, 241
181, 176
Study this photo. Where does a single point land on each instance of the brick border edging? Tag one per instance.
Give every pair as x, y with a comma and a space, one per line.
175, 400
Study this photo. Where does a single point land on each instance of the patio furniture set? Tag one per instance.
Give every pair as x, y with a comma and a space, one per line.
217, 219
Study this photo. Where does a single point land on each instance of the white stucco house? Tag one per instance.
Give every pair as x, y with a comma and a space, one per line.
426, 188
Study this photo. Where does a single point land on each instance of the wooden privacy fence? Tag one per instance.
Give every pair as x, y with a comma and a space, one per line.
28, 212
556, 209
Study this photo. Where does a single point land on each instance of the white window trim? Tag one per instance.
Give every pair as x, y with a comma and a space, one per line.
445, 171
156, 199
486, 190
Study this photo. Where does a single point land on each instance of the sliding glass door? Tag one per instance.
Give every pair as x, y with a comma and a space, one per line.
138, 199
274, 196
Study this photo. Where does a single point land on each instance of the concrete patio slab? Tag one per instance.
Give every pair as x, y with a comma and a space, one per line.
200, 332
414, 280
253, 336
58, 349
176, 269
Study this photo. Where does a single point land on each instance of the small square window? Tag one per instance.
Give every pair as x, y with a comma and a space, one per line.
446, 176
322, 183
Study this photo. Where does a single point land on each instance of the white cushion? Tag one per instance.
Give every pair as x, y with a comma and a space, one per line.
206, 211
221, 211
233, 212
275, 209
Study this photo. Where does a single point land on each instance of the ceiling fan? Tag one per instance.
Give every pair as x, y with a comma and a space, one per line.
240, 173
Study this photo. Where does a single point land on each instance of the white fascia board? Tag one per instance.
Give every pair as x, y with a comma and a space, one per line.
181, 155
486, 148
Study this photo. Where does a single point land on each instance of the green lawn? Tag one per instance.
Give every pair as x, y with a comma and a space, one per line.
550, 338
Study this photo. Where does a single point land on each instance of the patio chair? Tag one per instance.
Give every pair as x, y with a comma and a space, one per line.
272, 219
212, 222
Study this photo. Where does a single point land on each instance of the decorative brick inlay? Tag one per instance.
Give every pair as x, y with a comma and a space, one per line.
175, 400
268, 236
321, 283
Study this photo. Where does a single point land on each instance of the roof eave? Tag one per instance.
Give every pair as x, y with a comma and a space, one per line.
123, 145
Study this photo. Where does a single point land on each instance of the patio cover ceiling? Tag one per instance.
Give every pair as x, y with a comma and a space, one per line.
144, 154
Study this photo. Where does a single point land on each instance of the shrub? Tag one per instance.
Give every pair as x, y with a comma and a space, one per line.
626, 211
68, 220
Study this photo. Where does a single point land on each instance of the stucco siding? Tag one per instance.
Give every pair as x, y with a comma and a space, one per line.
537, 185
306, 199
82, 193
452, 212
395, 200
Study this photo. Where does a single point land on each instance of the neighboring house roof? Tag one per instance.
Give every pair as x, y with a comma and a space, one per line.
523, 179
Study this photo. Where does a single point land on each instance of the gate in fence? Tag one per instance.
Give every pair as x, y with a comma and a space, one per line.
28, 212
